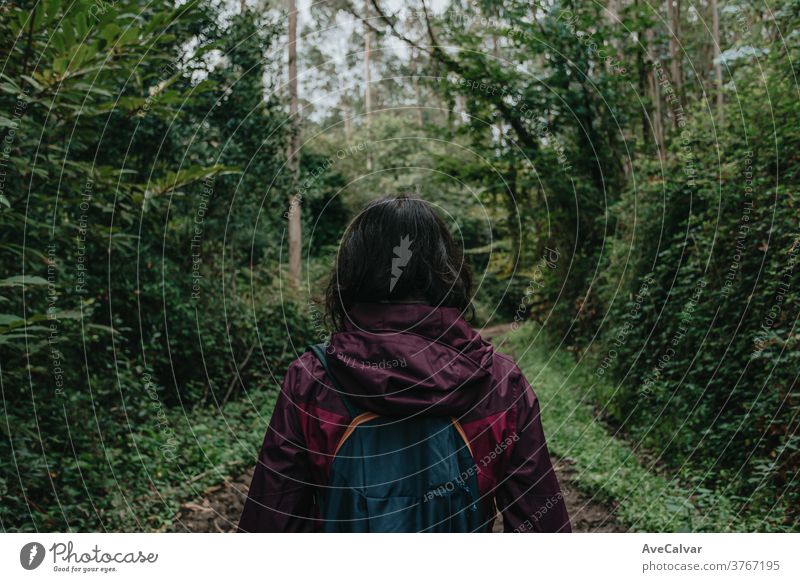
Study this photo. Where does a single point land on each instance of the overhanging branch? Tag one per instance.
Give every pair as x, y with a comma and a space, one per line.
435, 51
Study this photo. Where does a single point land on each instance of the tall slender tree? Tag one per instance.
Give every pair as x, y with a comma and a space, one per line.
295, 232
368, 78
717, 59
675, 64
655, 97
415, 79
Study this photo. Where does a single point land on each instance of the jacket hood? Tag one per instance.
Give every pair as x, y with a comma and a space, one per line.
409, 358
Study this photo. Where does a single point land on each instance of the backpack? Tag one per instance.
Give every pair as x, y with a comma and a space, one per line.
400, 474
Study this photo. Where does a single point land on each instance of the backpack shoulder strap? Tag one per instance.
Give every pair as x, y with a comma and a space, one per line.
319, 350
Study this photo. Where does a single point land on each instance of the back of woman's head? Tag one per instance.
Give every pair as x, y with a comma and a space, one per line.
397, 249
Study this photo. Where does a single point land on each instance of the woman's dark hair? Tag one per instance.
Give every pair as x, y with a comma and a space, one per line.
397, 249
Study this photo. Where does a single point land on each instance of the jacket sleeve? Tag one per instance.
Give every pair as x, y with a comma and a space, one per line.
281, 497
529, 496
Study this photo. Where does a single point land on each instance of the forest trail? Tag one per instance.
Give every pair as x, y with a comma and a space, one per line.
220, 506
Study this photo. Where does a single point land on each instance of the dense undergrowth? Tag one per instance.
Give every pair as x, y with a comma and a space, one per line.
617, 469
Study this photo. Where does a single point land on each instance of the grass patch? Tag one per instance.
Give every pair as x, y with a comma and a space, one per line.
211, 445
605, 465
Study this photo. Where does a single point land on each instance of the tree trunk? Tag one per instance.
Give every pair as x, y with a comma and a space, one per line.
495, 44
717, 61
345, 108
658, 124
368, 81
295, 234
612, 19
613, 12
513, 203
641, 64
675, 65
414, 57
655, 96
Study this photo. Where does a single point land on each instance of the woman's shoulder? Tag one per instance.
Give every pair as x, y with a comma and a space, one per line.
510, 380
303, 375
506, 366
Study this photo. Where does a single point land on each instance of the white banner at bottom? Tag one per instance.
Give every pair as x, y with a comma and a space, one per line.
326, 557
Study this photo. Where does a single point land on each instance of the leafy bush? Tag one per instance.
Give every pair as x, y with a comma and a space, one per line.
702, 336
143, 332
643, 497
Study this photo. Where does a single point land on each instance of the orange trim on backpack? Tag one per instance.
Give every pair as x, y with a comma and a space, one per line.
460, 430
354, 424
367, 416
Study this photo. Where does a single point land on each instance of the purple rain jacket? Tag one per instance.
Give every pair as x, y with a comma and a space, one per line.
399, 359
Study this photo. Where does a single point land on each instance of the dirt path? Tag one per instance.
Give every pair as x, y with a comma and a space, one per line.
221, 505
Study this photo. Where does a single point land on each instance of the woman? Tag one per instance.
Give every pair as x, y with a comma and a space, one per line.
402, 349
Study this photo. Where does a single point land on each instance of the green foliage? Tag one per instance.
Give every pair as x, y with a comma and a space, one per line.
677, 269
608, 467
142, 233
142, 333
703, 329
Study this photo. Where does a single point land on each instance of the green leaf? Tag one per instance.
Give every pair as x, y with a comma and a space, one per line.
60, 65
22, 281
7, 318
110, 32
